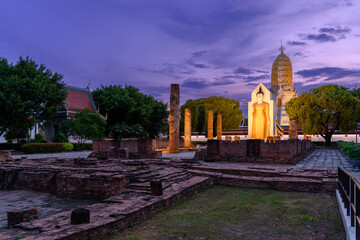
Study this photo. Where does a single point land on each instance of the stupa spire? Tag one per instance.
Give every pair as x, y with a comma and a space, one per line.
282, 48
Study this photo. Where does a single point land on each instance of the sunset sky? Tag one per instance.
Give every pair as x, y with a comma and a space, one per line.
209, 47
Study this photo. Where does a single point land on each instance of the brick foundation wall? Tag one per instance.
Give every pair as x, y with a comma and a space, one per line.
22, 214
280, 152
76, 185
5, 155
89, 186
136, 147
163, 143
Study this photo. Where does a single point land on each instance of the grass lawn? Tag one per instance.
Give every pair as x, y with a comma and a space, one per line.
236, 213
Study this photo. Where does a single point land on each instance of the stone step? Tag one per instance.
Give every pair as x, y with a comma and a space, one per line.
283, 183
271, 171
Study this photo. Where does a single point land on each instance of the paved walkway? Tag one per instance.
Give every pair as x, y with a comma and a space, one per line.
77, 154
181, 155
325, 158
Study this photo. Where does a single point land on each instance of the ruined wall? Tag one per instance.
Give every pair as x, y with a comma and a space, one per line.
5, 155
163, 143
69, 184
280, 152
136, 147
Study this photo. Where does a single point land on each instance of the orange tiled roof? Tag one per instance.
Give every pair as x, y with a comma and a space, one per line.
78, 99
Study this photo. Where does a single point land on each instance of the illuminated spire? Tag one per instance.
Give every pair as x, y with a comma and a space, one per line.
282, 48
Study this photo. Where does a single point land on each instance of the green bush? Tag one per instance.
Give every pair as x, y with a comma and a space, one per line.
82, 146
42, 147
39, 138
340, 143
68, 147
10, 146
60, 138
350, 149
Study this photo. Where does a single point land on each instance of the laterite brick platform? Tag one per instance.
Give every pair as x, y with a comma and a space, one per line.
256, 151
120, 188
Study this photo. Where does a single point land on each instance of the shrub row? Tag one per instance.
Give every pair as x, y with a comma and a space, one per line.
42, 147
10, 146
54, 147
350, 149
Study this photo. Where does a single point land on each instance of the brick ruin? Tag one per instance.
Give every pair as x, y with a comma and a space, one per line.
163, 143
136, 148
219, 127
256, 151
210, 124
5, 155
66, 178
187, 128
127, 191
174, 121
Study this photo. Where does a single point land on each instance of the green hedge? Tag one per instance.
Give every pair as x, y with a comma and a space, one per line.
54, 147
82, 146
68, 147
42, 147
350, 149
10, 146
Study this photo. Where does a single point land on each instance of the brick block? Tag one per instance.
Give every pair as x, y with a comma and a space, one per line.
23, 214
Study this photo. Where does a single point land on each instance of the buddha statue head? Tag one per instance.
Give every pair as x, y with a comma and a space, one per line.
260, 96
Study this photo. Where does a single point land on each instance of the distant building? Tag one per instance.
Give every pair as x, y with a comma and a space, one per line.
77, 99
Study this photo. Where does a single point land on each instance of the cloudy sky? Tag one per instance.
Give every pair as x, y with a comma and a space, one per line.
209, 47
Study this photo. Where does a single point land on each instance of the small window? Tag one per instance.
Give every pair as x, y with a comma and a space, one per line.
279, 102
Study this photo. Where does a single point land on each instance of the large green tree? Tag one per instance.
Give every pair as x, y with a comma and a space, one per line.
229, 108
355, 92
131, 113
28, 91
86, 125
323, 110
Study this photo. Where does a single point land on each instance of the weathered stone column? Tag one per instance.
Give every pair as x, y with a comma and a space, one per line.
210, 132
293, 128
187, 128
219, 126
174, 119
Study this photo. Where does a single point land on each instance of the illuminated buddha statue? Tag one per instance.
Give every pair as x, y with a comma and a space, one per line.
260, 117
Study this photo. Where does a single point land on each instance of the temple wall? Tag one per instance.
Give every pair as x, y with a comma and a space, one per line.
163, 143
280, 152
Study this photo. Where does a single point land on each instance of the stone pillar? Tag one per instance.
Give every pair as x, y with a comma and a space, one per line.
187, 128
219, 127
293, 128
210, 131
174, 119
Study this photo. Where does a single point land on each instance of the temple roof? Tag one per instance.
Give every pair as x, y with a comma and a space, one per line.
79, 98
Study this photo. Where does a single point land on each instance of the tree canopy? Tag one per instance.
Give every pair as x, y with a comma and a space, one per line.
229, 108
355, 92
28, 91
131, 113
323, 110
86, 125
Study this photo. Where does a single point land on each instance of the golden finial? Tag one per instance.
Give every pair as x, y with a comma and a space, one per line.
282, 48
